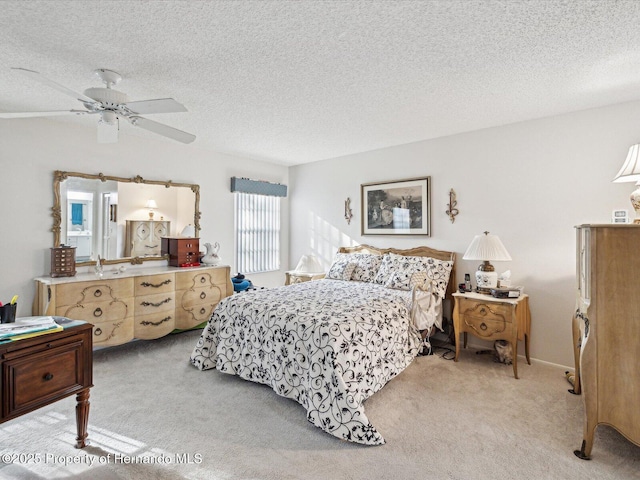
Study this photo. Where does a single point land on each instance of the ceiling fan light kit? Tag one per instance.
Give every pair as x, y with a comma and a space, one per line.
111, 105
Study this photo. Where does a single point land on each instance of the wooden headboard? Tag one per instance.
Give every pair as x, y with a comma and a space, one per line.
411, 252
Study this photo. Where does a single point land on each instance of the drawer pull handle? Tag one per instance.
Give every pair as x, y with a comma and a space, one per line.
203, 295
97, 332
97, 293
483, 311
146, 323
149, 304
202, 279
97, 312
483, 326
158, 285
48, 376
203, 311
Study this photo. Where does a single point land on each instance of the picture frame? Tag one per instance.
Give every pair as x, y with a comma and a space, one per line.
398, 207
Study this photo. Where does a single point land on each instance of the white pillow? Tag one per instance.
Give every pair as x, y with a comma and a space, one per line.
397, 271
366, 265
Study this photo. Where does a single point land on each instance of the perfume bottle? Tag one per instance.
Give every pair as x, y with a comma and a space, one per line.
98, 268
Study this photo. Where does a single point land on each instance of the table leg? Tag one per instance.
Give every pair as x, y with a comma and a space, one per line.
456, 329
577, 340
514, 344
82, 417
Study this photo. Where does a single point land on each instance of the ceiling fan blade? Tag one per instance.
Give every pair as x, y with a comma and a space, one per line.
162, 129
38, 77
159, 105
41, 114
108, 132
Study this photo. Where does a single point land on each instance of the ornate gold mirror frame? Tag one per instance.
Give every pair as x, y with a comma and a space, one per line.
60, 176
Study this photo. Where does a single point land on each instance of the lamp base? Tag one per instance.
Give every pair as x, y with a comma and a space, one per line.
485, 281
635, 202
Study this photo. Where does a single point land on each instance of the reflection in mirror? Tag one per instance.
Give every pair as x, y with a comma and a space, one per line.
120, 219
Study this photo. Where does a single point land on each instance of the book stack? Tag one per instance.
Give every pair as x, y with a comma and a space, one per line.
28, 327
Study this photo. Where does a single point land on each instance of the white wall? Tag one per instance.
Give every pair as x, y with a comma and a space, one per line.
30, 151
529, 183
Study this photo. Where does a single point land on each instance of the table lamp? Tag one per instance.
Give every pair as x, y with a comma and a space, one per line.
487, 248
309, 264
630, 172
151, 205
188, 231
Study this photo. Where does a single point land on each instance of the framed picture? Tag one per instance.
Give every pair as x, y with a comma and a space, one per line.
400, 207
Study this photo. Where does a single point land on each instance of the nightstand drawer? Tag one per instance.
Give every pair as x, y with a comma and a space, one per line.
485, 328
485, 311
37, 379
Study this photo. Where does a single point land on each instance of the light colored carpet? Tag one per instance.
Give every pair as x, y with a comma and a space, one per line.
441, 420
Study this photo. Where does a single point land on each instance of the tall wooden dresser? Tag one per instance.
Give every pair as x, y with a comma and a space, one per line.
606, 329
143, 237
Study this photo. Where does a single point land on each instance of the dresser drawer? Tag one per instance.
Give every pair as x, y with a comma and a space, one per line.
101, 290
152, 304
41, 375
195, 279
155, 325
152, 284
115, 332
195, 306
97, 311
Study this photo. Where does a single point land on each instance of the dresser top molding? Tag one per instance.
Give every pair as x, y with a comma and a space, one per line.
116, 274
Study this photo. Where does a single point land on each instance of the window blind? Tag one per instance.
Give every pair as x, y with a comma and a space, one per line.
257, 232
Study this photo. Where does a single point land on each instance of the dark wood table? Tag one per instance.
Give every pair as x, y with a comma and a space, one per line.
40, 370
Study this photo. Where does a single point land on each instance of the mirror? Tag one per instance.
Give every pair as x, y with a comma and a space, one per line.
120, 219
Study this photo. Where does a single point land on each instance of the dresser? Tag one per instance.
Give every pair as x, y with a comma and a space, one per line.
143, 303
38, 371
142, 237
606, 329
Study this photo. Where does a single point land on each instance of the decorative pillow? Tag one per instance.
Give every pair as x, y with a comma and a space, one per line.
366, 265
397, 271
341, 270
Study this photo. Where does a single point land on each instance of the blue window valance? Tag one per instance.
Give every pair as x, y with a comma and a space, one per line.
258, 187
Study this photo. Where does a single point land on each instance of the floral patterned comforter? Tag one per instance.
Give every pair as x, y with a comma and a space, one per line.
327, 344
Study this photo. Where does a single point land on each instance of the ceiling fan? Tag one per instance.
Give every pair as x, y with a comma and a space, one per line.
110, 105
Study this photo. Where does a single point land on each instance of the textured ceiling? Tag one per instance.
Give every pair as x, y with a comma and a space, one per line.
299, 81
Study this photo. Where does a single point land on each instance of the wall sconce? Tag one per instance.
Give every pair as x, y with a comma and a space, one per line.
348, 214
452, 211
151, 205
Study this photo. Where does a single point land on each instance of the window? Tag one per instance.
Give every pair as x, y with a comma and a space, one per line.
257, 232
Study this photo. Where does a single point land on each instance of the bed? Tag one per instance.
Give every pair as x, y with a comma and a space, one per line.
332, 343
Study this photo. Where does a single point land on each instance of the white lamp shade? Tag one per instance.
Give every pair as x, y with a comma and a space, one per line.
309, 264
486, 247
188, 231
151, 203
630, 171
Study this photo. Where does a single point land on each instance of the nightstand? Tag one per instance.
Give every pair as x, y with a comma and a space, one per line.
490, 318
37, 371
292, 277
